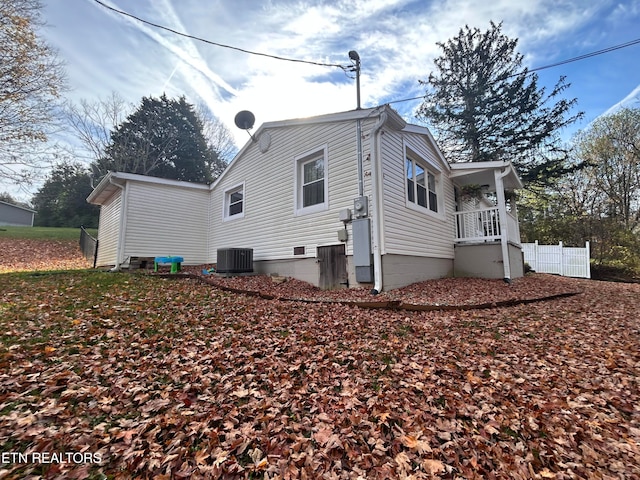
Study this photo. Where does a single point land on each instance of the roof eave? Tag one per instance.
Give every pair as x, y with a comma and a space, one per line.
476, 169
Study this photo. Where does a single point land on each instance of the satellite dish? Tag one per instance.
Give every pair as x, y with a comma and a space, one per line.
245, 120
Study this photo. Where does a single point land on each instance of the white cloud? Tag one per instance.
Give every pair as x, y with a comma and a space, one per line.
630, 101
396, 40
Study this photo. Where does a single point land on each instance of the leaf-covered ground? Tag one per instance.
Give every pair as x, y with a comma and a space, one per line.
26, 254
440, 294
175, 378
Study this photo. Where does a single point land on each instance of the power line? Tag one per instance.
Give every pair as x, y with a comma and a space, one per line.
350, 67
544, 67
588, 55
405, 100
193, 37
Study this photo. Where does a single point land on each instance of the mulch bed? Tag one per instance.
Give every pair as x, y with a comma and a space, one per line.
439, 294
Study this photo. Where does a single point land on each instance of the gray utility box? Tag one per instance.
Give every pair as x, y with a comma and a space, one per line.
362, 255
235, 260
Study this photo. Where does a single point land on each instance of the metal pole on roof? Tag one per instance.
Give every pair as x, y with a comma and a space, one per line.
353, 55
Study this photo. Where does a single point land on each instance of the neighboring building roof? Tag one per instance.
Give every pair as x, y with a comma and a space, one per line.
16, 215
27, 209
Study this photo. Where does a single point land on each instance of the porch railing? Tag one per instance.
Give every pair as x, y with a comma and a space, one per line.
483, 225
513, 229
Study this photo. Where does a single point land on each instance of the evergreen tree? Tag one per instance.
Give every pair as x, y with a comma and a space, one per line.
484, 106
162, 138
62, 200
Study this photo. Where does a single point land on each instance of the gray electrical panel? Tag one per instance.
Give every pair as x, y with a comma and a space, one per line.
362, 255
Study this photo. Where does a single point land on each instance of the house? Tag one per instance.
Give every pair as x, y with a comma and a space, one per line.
353, 198
15, 215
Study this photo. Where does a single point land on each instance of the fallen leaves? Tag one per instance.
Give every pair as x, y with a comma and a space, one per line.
178, 379
18, 255
445, 293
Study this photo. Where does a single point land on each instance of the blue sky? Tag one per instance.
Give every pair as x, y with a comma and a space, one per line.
396, 40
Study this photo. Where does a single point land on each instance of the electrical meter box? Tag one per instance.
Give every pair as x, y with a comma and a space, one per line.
361, 207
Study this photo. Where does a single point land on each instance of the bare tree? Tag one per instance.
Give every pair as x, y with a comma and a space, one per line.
218, 136
611, 148
31, 82
93, 121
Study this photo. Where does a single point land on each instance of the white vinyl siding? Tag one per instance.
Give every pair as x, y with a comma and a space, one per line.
411, 229
271, 226
167, 220
108, 230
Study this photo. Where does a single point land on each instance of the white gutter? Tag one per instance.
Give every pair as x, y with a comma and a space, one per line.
123, 214
376, 201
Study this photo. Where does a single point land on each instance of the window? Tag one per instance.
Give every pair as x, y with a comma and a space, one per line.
421, 185
311, 182
234, 203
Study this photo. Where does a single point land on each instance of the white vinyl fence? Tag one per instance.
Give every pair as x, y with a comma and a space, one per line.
565, 261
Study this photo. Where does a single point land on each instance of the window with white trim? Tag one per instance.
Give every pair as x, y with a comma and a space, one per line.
311, 181
234, 202
422, 185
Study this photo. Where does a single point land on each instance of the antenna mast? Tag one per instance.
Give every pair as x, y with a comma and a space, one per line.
353, 55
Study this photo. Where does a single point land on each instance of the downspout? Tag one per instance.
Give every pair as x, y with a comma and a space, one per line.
123, 214
504, 234
209, 224
376, 193
359, 147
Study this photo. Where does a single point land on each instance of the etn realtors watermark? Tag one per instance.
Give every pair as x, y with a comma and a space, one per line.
50, 457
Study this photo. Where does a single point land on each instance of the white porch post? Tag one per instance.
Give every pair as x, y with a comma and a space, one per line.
504, 234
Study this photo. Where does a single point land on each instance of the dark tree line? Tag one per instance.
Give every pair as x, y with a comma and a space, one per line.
62, 200
599, 202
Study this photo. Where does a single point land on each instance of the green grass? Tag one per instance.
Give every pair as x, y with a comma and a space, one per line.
44, 233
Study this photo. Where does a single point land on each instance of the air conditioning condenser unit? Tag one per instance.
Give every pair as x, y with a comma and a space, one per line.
235, 260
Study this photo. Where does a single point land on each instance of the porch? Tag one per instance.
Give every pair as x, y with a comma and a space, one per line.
484, 225
487, 233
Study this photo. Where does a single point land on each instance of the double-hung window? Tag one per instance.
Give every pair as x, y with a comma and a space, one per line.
421, 185
311, 181
234, 202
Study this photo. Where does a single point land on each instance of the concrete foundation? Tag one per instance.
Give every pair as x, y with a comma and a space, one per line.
484, 260
480, 260
305, 269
